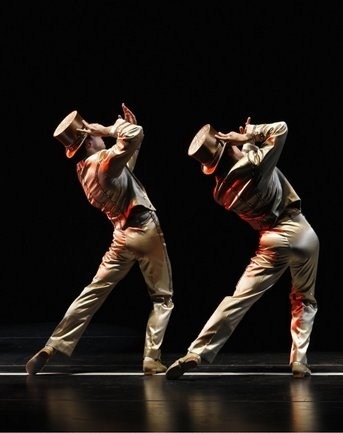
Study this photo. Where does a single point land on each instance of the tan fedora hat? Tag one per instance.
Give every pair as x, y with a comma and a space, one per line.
206, 148
67, 133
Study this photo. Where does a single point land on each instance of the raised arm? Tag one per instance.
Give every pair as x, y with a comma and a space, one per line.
262, 134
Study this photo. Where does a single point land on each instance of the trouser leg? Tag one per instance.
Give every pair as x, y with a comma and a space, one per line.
301, 328
114, 266
156, 328
156, 269
303, 267
221, 325
68, 332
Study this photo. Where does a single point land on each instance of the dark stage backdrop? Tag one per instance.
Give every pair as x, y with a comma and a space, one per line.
178, 67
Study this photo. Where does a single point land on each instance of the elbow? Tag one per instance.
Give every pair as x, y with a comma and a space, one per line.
140, 134
278, 129
284, 127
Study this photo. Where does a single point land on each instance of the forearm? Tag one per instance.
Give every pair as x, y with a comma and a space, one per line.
266, 132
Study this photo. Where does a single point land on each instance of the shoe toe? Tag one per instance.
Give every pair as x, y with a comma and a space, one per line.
153, 367
181, 365
38, 361
300, 370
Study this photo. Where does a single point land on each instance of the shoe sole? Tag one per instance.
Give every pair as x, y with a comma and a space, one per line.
150, 368
151, 373
177, 370
301, 374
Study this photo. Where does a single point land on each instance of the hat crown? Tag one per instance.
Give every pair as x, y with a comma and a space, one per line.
206, 148
67, 133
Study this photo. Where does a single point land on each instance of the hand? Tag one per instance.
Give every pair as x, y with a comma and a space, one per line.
234, 138
95, 129
128, 114
242, 129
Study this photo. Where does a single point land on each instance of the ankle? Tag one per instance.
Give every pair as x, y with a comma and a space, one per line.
49, 350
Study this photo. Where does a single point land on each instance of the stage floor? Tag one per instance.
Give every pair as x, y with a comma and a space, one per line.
100, 389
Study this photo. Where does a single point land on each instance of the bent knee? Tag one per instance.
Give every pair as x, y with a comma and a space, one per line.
165, 301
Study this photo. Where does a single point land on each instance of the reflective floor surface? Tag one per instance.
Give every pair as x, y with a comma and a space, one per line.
100, 390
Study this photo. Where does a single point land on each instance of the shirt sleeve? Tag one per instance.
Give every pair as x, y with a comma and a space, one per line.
269, 141
125, 150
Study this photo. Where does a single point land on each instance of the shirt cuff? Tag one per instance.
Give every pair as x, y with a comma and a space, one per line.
115, 126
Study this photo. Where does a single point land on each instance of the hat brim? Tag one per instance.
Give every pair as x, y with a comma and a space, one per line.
212, 168
70, 152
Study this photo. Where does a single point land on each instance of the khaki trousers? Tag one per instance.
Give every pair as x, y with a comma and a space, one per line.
292, 244
144, 244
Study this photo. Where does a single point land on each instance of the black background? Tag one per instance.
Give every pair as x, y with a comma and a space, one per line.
178, 66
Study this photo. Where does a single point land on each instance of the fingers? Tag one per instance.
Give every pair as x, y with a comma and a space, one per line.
221, 136
242, 129
85, 127
128, 114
